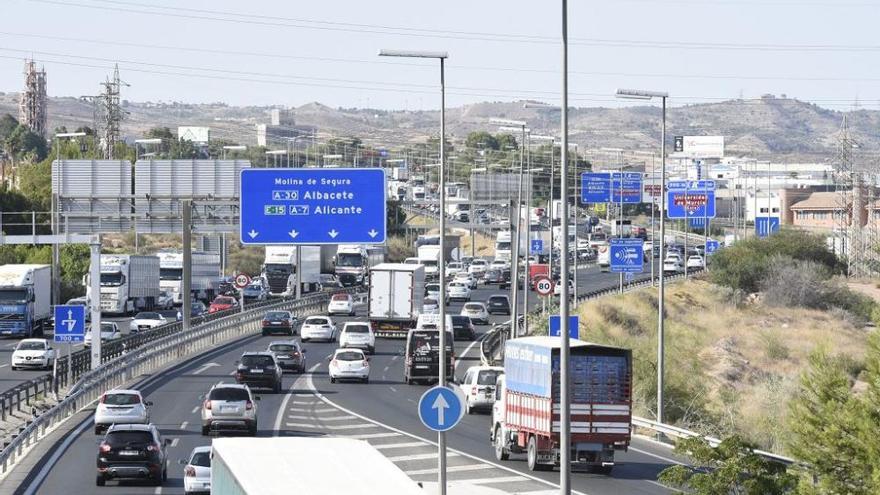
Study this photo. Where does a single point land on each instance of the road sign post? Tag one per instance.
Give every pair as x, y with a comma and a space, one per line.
242, 280
766, 226
440, 408
308, 206
555, 323
711, 246
70, 327
627, 255
536, 246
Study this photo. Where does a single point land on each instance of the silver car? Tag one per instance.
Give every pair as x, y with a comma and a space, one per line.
229, 406
121, 407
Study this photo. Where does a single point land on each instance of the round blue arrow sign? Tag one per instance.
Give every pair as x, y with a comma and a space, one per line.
440, 408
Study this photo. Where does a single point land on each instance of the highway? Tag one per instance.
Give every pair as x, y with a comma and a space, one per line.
382, 412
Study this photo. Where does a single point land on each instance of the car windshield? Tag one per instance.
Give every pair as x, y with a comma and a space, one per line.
473, 306
502, 246
122, 438
276, 315
257, 361
454, 265
224, 300
487, 377
121, 399
357, 329
107, 327
430, 302
282, 348
350, 356
31, 346
201, 459
229, 394
433, 287
147, 316
479, 263
317, 321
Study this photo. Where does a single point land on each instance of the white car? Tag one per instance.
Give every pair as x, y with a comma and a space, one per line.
432, 291
453, 268
318, 327
166, 300
109, 332
478, 387
695, 262
341, 304
466, 278
557, 288
197, 471
145, 320
477, 312
457, 291
358, 334
121, 407
499, 265
430, 306
478, 267
672, 264
349, 364
33, 353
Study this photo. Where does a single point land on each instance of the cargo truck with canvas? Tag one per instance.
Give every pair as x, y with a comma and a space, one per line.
25, 299
129, 283
205, 275
396, 298
525, 417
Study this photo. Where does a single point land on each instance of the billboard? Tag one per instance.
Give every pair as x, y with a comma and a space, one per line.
194, 134
703, 146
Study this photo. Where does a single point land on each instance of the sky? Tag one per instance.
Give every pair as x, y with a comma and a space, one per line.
291, 52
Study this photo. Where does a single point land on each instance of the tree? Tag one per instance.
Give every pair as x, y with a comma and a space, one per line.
731, 467
8, 123
506, 141
481, 140
26, 144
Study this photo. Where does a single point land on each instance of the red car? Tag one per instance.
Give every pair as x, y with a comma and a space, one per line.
221, 303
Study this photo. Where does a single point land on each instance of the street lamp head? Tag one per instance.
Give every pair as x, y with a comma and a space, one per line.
69, 134
638, 94
508, 122
235, 147
505, 128
412, 54
540, 137
478, 169
149, 141
546, 106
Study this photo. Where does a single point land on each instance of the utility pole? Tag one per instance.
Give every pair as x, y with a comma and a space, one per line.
95, 302
564, 348
111, 112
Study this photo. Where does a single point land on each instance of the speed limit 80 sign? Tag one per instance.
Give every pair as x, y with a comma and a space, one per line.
543, 286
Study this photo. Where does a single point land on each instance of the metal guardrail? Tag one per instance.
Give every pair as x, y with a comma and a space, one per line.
172, 345
23, 394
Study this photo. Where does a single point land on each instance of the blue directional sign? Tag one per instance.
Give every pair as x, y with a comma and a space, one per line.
440, 408
536, 246
627, 255
712, 246
765, 226
555, 326
695, 198
626, 187
595, 187
306, 206
70, 323
697, 222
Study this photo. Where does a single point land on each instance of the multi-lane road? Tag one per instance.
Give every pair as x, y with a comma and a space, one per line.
382, 412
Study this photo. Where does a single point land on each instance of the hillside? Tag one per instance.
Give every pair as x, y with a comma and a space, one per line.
768, 127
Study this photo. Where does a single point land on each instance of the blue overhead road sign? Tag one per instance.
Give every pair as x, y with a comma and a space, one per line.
695, 198
70, 323
440, 408
595, 187
764, 226
305, 206
626, 187
536, 246
555, 326
627, 255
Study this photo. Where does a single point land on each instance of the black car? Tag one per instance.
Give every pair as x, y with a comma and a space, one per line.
131, 451
498, 304
289, 355
279, 322
259, 370
463, 328
505, 279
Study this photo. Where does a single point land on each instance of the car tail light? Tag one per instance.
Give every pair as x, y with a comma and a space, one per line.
295, 354
189, 472
105, 447
474, 391
248, 405
103, 396
153, 447
208, 405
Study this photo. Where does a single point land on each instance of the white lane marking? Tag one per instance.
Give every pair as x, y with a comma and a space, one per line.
395, 358
333, 427
418, 457
174, 442
657, 456
392, 389
158, 489
460, 360
279, 416
402, 445
3, 365
500, 479
184, 425
367, 436
334, 418
71, 437
196, 409
452, 469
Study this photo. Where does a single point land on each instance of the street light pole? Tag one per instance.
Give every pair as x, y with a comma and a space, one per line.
564, 348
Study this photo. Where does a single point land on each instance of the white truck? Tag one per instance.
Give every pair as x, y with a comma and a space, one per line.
279, 268
205, 275
429, 257
353, 262
317, 465
25, 299
503, 246
129, 283
397, 294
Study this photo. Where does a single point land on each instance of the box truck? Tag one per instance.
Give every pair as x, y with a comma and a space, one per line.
25, 299
525, 417
503, 246
397, 293
429, 257
205, 274
129, 283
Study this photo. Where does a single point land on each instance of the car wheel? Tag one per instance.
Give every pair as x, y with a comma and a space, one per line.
265, 333
100, 481
304, 339
332, 380
14, 368
206, 430
98, 430
165, 474
367, 380
277, 387
371, 350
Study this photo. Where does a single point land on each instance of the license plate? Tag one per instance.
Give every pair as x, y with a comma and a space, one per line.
256, 370
283, 357
228, 409
128, 452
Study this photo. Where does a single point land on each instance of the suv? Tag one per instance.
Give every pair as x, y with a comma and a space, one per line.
498, 304
132, 451
259, 369
289, 355
358, 334
229, 406
463, 328
121, 407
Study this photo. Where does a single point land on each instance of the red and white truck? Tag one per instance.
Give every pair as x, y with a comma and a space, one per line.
526, 419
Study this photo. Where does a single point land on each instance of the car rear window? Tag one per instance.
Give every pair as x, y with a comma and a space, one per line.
230, 394
122, 438
201, 459
121, 399
276, 315
476, 306
496, 299
340, 297
487, 377
317, 321
357, 328
433, 287
223, 300
282, 348
257, 361
350, 356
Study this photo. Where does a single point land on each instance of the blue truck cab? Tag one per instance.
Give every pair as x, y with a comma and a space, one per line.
25, 299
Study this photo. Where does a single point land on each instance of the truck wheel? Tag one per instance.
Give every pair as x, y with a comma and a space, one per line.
501, 452
532, 454
100, 481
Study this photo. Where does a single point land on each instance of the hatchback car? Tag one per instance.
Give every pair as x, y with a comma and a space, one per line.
493, 276
229, 407
478, 387
259, 370
477, 312
33, 353
695, 262
457, 291
165, 300
197, 471
478, 266
359, 335
222, 303
132, 452
433, 291
121, 407
430, 306
318, 327
289, 355
467, 279
349, 364
498, 304
109, 332
453, 267
463, 328
341, 304
145, 320
196, 309
279, 322
255, 291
